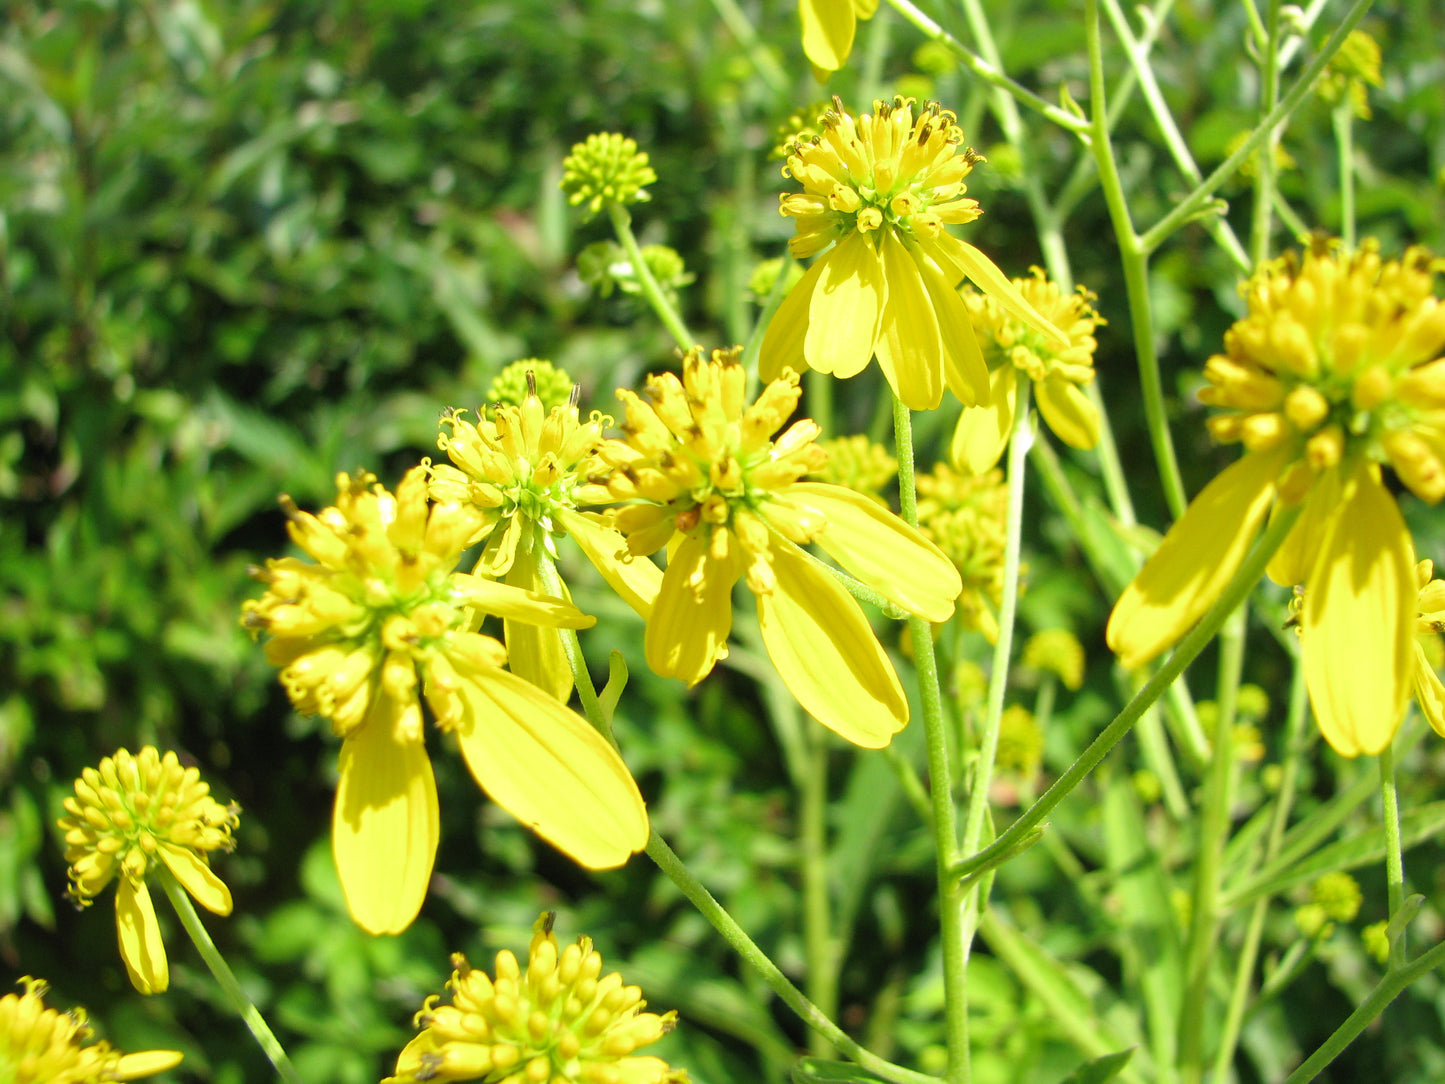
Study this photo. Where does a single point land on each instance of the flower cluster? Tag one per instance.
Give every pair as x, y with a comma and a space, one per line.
1335, 372
966, 516
879, 189
126, 816
701, 472
607, 170
379, 613
559, 1021
39, 1045
1015, 348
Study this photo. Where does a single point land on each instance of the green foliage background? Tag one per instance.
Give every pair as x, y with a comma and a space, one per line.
245, 245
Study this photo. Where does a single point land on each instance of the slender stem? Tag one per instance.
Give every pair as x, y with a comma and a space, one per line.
622, 226
1394, 857
1264, 173
951, 896
1213, 834
1344, 125
1384, 992
243, 1006
1239, 588
819, 944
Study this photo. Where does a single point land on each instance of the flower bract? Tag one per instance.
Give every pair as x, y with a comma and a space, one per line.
379, 620
128, 817
708, 476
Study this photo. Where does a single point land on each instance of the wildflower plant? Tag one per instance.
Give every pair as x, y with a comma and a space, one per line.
41, 1045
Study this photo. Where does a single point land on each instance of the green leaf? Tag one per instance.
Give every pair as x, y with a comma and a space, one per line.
823, 1071
1100, 1070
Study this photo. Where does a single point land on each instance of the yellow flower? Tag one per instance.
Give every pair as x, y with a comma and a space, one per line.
1059, 373
966, 516
561, 1021
125, 816
44, 1046
381, 615
525, 474
1335, 370
606, 170
828, 27
1057, 651
532, 377
879, 190
701, 473
1429, 624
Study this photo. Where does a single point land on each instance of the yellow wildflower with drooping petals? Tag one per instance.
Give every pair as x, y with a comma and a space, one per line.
381, 621
966, 516
128, 815
702, 472
559, 1020
1429, 623
1014, 348
829, 27
1335, 371
525, 472
879, 189
39, 1045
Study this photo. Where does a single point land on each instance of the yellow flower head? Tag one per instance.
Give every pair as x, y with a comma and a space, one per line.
879, 189
607, 170
559, 1021
1057, 651
859, 464
707, 475
1429, 624
828, 29
376, 616
1335, 371
1020, 742
525, 474
966, 516
44, 1046
126, 816
1013, 349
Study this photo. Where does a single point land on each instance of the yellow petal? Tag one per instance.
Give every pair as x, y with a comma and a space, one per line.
385, 825
843, 317
1357, 636
1429, 692
826, 653
1069, 411
984, 274
544, 765
910, 352
982, 432
787, 330
513, 603
1295, 557
1194, 563
139, 935
535, 653
827, 31
197, 878
637, 579
693, 614
881, 550
963, 366
145, 1063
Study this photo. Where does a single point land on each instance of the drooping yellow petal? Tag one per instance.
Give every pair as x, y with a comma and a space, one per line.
1358, 632
197, 878
828, 27
964, 369
637, 580
882, 550
910, 352
544, 765
385, 826
1069, 411
513, 603
1296, 555
843, 318
1429, 692
982, 432
984, 274
534, 652
139, 935
787, 330
144, 1063
693, 614
1197, 558
826, 653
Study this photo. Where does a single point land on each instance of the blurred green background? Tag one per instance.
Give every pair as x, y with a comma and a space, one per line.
247, 244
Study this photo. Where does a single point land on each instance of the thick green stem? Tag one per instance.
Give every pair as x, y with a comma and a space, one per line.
622, 226
1264, 174
1239, 588
941, 779
1394, 856
243, 1006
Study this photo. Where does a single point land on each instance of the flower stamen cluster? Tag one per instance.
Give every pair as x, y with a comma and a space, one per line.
607, 170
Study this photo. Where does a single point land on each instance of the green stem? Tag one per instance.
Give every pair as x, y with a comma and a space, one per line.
1384, 992
1344, 125
819, 945
1394, 856
1213, 834
243, 1006
1264, 178
622, 226
951, 896
1238, 589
